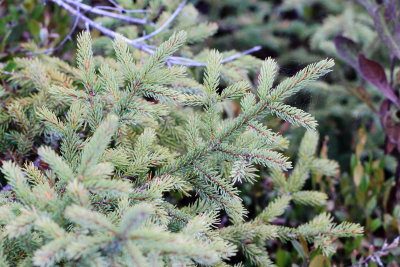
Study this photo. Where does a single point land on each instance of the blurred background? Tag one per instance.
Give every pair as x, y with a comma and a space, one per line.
359, 121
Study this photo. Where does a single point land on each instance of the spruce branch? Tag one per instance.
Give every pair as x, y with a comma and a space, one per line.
135, 255
98, 143
293, 115
22, 225
267, 76
83, 203
61, 168
275, 209
16, 178
217, 180
267, 158
310, 198
242, 171
50, 253
269, 136
86, 62
213, 72
90, 219
134, 217
293, 84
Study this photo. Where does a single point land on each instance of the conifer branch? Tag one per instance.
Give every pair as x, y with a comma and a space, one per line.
293, 115
222, 185
293, 84
82, 203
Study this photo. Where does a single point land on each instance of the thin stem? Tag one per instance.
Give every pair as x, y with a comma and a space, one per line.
105, 13
392, 66
12, 74
371, 9
145, 47
122, 10
246, 52
165, 25
191, 62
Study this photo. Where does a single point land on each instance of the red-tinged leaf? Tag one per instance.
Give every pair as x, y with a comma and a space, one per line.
384, 110
39, 163
373, 72
348, 50
392, 129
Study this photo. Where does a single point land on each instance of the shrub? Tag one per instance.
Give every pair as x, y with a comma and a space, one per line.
138, 164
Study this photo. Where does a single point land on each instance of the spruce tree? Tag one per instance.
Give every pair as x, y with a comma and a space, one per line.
124, 143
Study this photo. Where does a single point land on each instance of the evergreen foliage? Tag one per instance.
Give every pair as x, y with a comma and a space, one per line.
125, 144
357, 108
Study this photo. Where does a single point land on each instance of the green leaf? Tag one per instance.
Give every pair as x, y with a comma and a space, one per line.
34, 27
375, 224
320, 261
299, 249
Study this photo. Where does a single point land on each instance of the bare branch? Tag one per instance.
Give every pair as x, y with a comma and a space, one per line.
165, 25
121, 9
246, 52
114, 3
368, 6
376, 256
189, 62
145, 47
12, 74
105, 13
